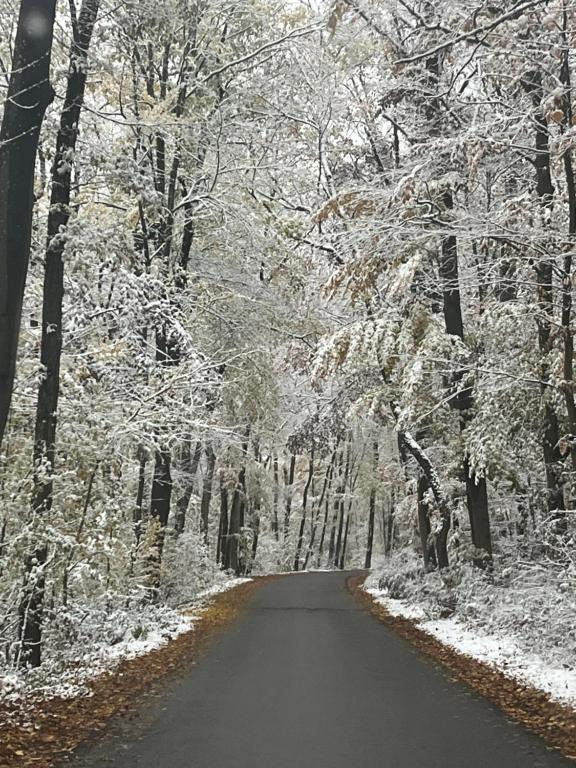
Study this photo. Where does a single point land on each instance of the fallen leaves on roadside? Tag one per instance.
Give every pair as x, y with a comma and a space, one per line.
47, 730
552, 721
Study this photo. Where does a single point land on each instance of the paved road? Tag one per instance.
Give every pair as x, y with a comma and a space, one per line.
306, 679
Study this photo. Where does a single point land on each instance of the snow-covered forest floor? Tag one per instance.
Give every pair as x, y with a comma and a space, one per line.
521, 618
86, 645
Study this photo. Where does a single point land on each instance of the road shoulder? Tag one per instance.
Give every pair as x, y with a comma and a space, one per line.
535, 710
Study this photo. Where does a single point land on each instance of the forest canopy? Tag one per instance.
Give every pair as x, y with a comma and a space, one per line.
282, 286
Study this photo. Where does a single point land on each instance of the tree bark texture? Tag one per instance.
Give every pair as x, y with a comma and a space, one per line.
29, 94
51, 342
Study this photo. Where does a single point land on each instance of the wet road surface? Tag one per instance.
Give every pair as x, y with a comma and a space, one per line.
307, 679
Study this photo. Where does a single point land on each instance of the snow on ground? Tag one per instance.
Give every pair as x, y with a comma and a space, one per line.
183, 622
217, 589
395, 607
117, 636
499, 649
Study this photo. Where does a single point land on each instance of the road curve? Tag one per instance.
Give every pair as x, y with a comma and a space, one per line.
307, 679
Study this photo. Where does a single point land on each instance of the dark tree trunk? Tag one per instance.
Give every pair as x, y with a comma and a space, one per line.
181, 277
234, 554
3, 529
223, 526
29, 94
276, 491
323, 534
159, 511
426, 541
561, 522
137, 515
231, 554
370, 536
532, 83
388, 529
450, 281
255, 514
372, 507
332, 542
345, 543
477, 502
289, 477
51, 344
160, 497
476, 491
188, 466
412, 446
58, 218
340, 532
304, 505
207, 491
255, 534
335, 503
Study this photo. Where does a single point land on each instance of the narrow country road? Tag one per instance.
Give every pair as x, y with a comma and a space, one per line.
307, 679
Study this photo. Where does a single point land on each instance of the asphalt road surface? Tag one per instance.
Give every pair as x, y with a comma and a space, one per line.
307, 679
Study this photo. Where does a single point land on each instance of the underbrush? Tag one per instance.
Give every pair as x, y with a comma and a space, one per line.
96, 628
531, 602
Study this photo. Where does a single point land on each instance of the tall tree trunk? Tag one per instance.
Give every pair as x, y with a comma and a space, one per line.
566, 318
304, 505
137, 514
476, 491
234, 552
138, 507
324, 527
327, 513
345, 542
159, 512
3, 529
428, 553
388, 526
207, 491
340, 532
372, 507
289, 478
413, 446
188, 466
223, 526
234, 555
255, 517
51, 344
276, 492
532, 83
29, 94
332, 542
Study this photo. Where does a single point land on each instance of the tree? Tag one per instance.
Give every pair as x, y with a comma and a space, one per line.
29, 94
51, 345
